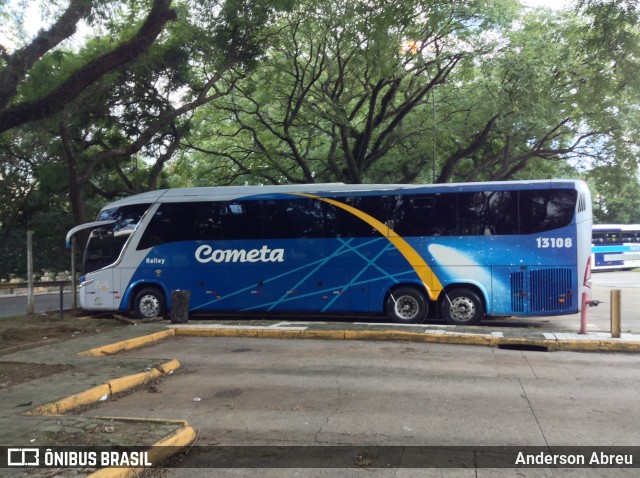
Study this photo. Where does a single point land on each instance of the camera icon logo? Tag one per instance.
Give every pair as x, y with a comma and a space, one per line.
23, 457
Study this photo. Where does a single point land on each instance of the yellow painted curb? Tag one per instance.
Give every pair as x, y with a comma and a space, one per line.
598, 346
129, 344
217, 332
255, 333
486, 340
323, 334
169, 366
128, 382
160, 452
280, 334
94, 394
63, 405
182, 439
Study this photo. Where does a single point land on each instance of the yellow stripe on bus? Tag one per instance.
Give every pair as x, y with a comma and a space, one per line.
416, 261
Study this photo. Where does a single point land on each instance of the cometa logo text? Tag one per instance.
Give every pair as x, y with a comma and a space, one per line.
206, 254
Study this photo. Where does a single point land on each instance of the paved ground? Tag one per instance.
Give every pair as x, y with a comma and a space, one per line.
374, 396
28, 412
41, 412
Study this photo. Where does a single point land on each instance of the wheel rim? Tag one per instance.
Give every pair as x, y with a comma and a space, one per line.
463, 309
407, 307
149, 306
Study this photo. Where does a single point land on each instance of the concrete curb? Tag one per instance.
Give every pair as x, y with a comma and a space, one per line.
128, 344
582, 345
95, 394
160, 451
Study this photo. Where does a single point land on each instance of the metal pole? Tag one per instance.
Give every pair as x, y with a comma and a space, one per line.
435, 135
30, 293
74, 292
615, 313
61, 303
583, 313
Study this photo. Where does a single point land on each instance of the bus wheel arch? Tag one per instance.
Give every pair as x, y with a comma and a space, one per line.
462, 304
149, 302
406, 304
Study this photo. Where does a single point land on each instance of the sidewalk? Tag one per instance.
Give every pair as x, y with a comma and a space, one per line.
40, 413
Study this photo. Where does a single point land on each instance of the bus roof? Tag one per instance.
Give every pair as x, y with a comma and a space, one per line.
235, 192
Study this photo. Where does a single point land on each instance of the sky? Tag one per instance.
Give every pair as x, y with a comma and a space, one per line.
33, 20
555, 4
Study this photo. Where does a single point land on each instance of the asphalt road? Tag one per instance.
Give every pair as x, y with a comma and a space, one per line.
244, 391
11, 305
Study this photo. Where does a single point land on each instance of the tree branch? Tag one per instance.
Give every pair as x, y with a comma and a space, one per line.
19, 62
82, 78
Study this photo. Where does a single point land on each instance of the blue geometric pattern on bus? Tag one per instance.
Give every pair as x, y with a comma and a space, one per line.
364, 260
344, 274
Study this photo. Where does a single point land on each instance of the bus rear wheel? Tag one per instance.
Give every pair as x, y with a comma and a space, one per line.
149, 303
462, 307
406, 305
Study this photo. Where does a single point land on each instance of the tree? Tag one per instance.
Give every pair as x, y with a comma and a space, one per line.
616, 195
475, 96
336, 93
124, 101
14, 72
109, 117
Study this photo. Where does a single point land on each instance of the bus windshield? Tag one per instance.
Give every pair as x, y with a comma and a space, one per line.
106, 243
103, 249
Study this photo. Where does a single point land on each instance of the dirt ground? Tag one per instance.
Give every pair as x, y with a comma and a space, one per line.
25, 332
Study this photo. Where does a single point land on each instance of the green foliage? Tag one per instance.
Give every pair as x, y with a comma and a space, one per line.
260, 91
338, 95
616, 194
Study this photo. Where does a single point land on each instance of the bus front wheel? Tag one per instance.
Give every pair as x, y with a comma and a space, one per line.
406, 305
462, 307
149, 303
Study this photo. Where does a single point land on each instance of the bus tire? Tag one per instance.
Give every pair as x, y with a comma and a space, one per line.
406, 305
462, 306
149, 303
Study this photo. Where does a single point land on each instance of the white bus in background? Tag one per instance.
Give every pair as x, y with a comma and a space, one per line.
615, 246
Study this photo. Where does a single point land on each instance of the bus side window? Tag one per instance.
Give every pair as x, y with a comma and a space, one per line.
597, 237
428, 215
240, 220
374, 206
172, 222
341, 223
292, 218
546, 209
488, 213
613, 238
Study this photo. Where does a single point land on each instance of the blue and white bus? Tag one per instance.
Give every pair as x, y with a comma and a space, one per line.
615, 246
458, 251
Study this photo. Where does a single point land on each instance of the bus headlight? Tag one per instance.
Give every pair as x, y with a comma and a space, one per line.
86, 283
